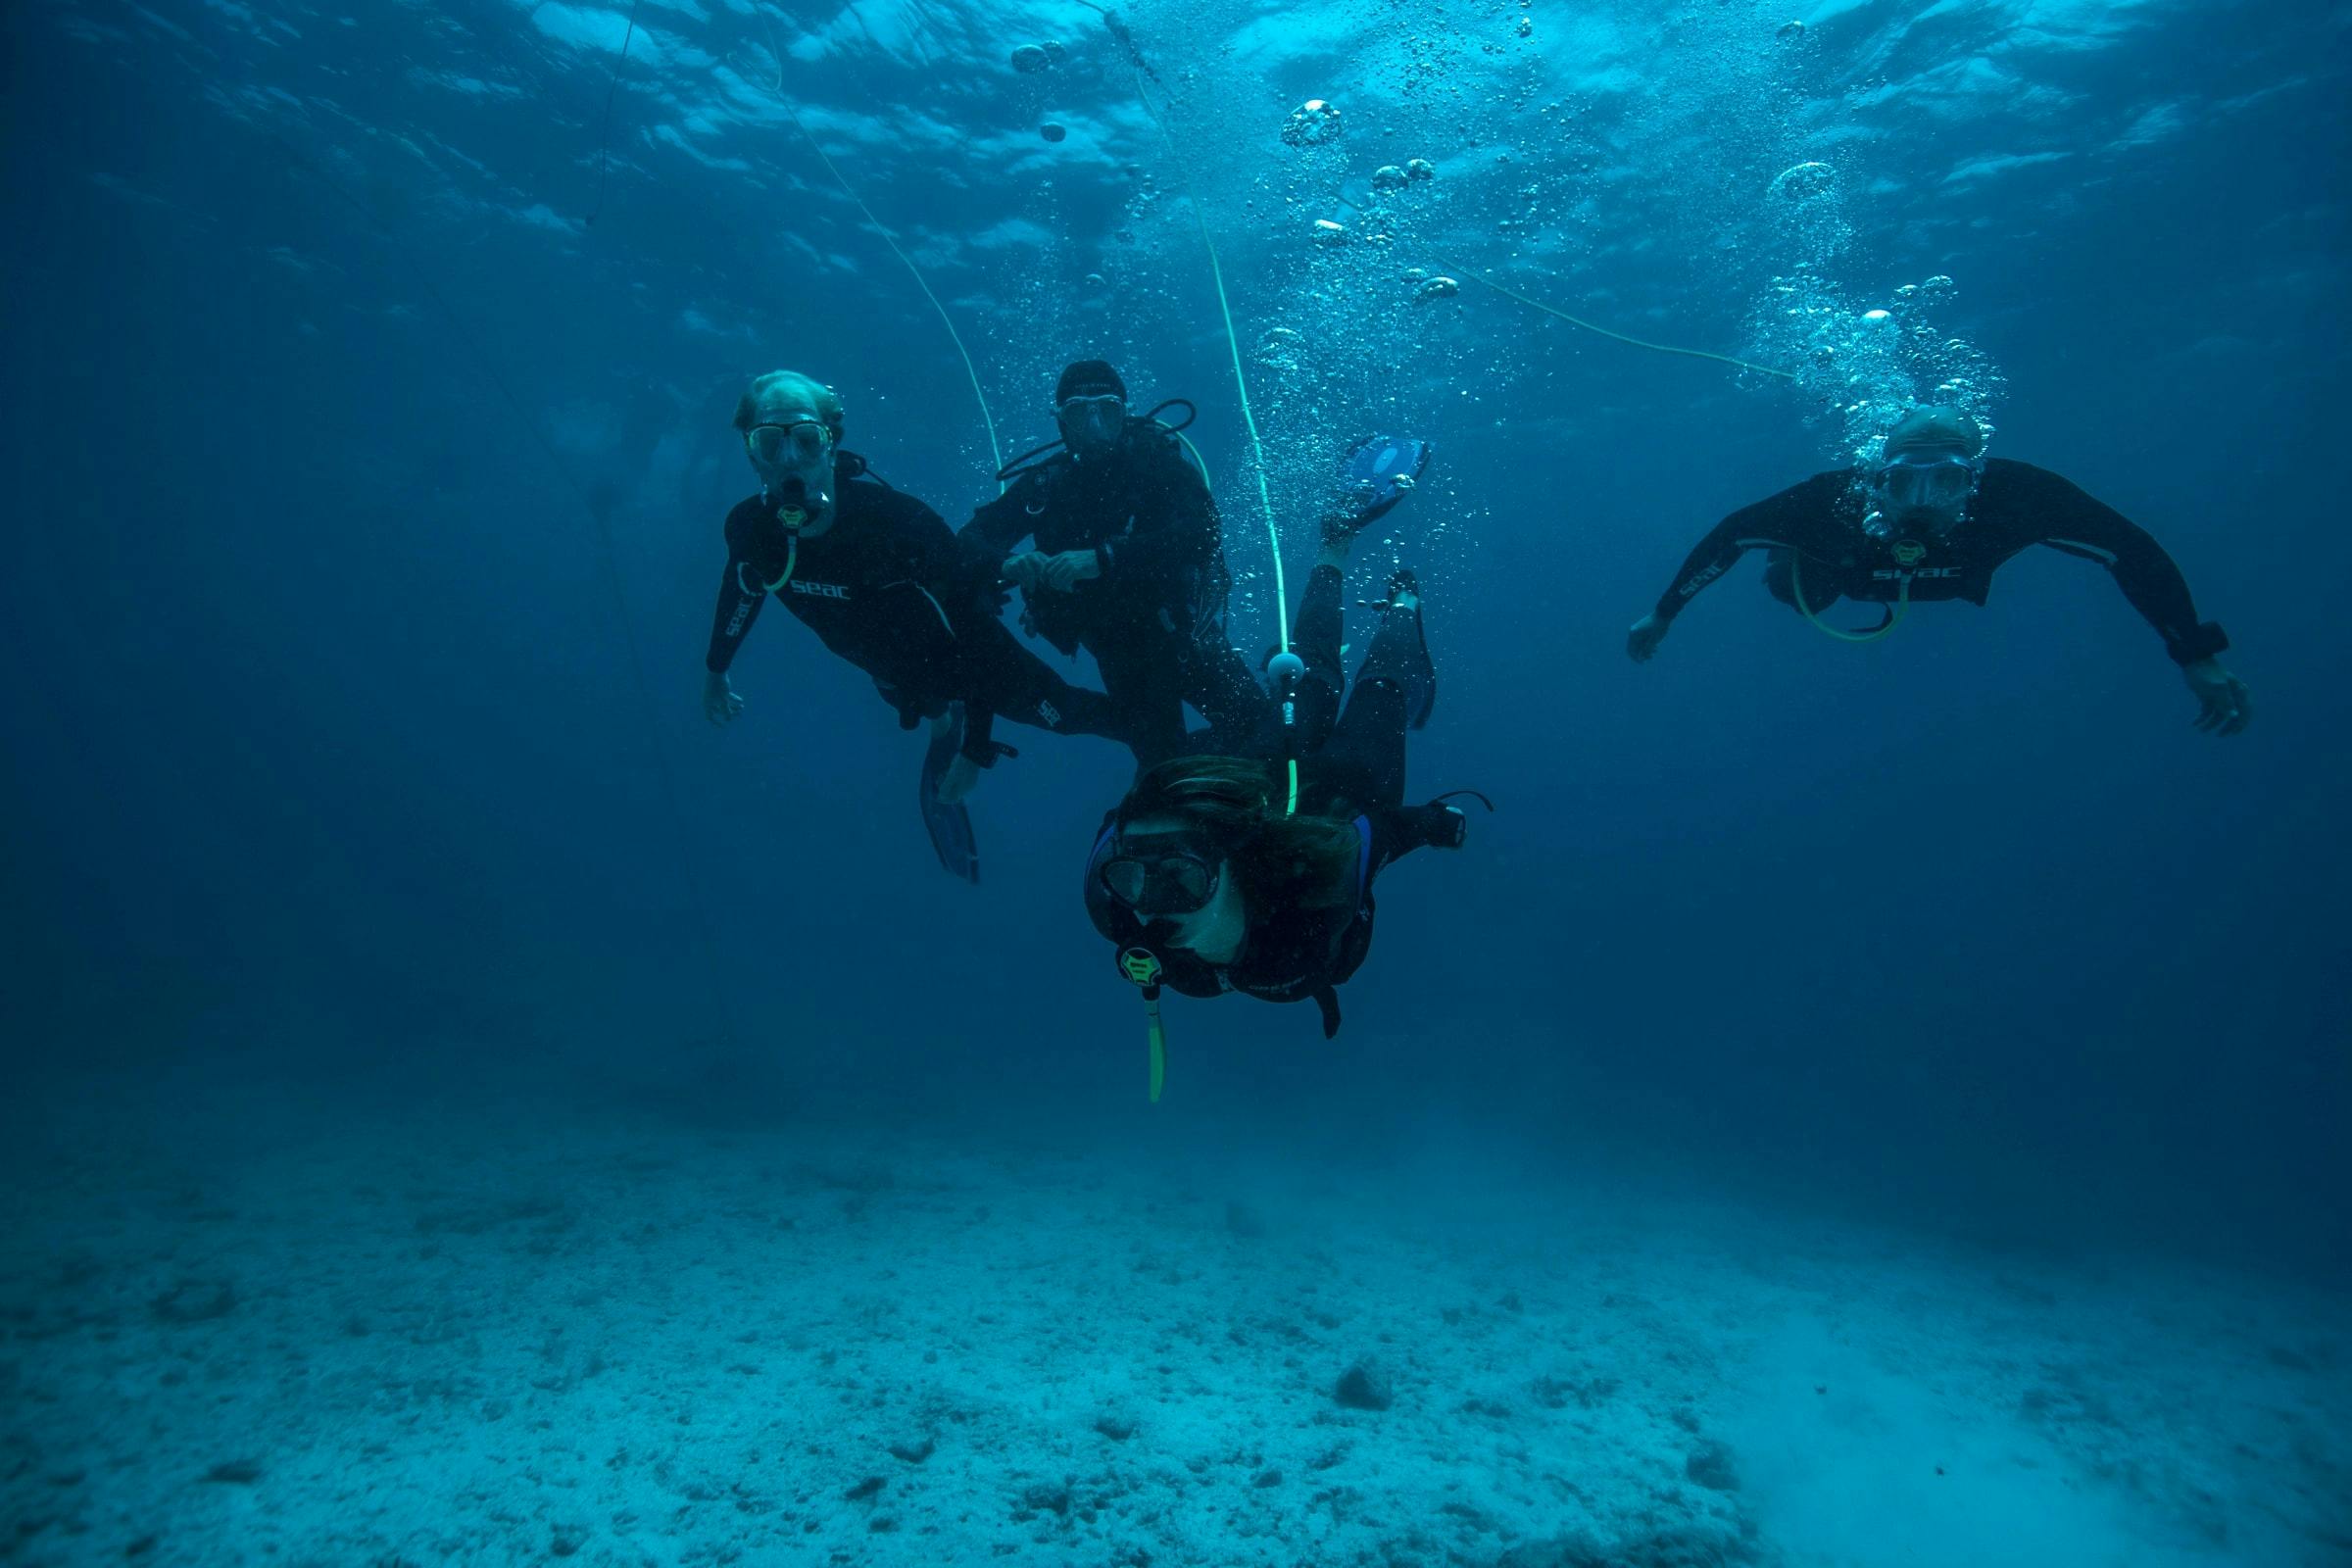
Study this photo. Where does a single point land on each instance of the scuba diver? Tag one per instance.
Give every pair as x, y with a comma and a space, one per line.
1936, 519
877, 575
1128, 563
1253, 872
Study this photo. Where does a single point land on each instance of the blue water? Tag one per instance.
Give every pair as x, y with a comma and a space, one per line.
1849, 1107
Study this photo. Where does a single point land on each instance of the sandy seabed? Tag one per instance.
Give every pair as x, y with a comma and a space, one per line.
362, 1335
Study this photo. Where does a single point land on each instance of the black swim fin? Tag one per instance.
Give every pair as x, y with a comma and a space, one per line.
950, 825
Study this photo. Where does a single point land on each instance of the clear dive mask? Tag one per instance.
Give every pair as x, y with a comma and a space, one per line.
798, 442
1168, 880
1093, 423
1926, 484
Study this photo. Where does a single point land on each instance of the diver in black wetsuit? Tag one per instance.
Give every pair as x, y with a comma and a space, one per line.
1209, 882
877, 575
1128, 563
1935, 521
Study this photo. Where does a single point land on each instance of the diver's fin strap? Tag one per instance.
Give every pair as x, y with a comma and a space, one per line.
1457, 823
1476, 794
1326, 1001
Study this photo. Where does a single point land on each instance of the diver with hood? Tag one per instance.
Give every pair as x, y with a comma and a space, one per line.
877, 575
1127, 562
1933, 520
1253, 872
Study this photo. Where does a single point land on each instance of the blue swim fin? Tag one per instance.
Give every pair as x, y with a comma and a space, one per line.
950, 826
1384, 468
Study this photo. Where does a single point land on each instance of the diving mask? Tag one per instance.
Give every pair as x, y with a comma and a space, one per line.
1171, 879
1093, 423
1929, 484
800, 443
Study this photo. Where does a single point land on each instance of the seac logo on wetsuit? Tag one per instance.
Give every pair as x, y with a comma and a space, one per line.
819, 590
1908, 553
1700, 580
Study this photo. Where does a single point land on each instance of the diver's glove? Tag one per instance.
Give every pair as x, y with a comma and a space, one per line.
2224, 706
720, 702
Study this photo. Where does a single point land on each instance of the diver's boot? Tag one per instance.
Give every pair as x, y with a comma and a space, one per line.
1400, 649
1339, 530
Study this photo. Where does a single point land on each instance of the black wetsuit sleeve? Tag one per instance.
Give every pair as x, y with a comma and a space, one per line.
740, 597
1397, 831
1795, 517
1176, 523
2071, 519
997, 530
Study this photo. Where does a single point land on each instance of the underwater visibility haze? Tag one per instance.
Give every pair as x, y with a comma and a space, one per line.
1855, 1100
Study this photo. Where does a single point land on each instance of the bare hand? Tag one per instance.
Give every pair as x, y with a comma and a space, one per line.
1643, 641
1024, 571
1068, 570
2223, 704
721, 705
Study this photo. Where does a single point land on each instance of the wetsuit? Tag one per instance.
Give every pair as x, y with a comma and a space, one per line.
1819, 551
886, 588
1353, 770
1154, 619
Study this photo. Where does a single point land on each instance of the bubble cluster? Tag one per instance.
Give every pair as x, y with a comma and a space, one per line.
1806, 211
1030, 59
1312, 123
1867, 363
